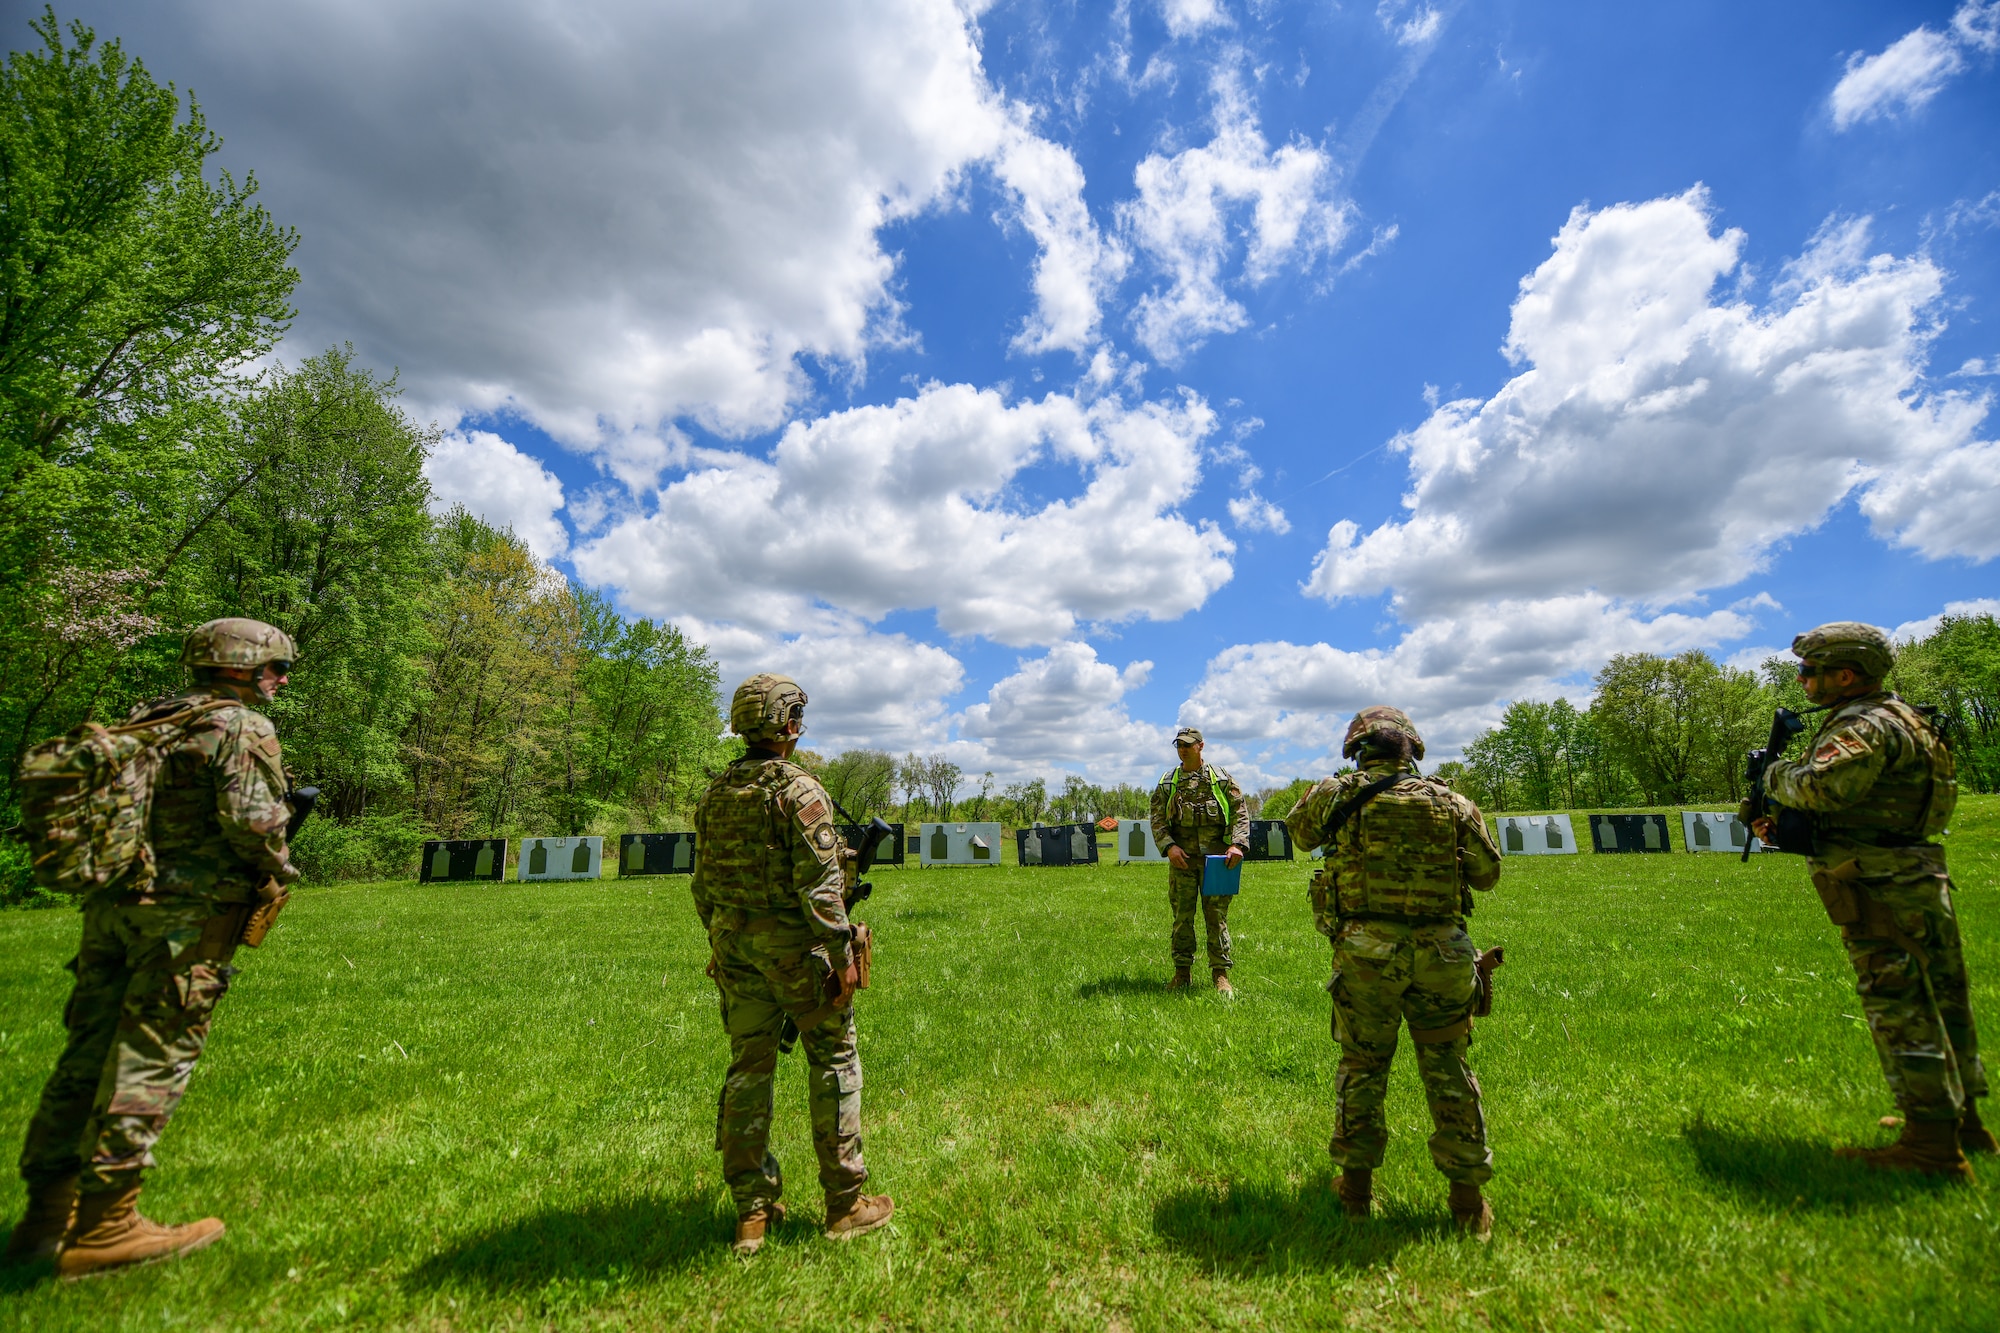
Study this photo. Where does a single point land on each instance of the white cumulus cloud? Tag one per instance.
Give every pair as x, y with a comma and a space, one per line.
1656, 444
501, 485
1913, 69
1186, 18
1659, 442
915, 504
1066, 708
1182, 216
608, 215
1911, 630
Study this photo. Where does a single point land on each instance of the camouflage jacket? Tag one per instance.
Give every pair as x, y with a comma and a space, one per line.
1410, 851
219, 811
1878, 775
769, 855
1186, 812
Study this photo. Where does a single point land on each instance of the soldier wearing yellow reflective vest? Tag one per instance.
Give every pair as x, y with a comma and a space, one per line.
1402, 852
1877, 785
1198, 812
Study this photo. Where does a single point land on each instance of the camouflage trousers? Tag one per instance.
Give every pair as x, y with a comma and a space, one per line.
762, 976
1383, 974
1184, 895
1918, 1004
147, 979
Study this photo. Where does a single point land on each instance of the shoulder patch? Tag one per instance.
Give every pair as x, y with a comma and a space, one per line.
824, 838
1841, 745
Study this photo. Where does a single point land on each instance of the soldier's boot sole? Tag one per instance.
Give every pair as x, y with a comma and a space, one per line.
1355, 1189
51, 1212
860, 1217
110, 1234
751, 1227
1471, 1213
1929, 1147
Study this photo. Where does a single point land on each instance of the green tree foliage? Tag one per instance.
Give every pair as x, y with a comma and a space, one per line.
133, 292
1956, 669
863, 781
1680, 726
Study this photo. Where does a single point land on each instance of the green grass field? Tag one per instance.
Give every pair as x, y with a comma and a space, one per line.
492, 1106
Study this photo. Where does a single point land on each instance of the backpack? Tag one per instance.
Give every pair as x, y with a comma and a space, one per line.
87, 802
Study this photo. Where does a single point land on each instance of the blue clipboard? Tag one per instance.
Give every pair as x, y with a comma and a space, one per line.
1219, 879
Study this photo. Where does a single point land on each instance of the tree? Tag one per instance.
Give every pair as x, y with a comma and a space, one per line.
134, 292
328, 538
863, 781
1956, 670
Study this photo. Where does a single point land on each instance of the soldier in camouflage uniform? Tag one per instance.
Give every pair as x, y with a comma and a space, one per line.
1879, 784
768, 882
153, 964
1393, 898
1198, 812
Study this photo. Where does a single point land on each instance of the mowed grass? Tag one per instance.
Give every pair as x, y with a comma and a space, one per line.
493, 1106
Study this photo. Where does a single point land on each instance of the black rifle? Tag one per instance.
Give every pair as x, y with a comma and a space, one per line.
864, 858
302, 800
1794, 831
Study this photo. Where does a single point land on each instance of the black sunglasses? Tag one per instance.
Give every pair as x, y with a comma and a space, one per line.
282, 666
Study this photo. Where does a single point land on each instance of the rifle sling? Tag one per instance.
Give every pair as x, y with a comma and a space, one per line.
1347, 808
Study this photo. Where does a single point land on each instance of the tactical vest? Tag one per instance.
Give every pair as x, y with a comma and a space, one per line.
1171, 780
743, 858
1913, 798
1398, 854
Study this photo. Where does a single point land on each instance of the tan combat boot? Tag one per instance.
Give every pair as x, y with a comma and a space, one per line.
857, 1216
39, 1233
109, 1233
751, 1226
1471, 1212
1929, 1146
1181, 979
1973, 1135
1222, 986
1356, 1188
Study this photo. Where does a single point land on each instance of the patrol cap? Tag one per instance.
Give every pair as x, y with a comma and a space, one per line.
763, 705
1847, 643
237, 641
1188, 736
1381, 720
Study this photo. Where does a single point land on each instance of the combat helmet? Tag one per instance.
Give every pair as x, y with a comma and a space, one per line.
1847, 643
236, 641
763, 705
1381, 720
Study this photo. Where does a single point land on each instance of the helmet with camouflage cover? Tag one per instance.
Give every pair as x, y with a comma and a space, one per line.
763, 705
1381, 720
237, 641
1847, 643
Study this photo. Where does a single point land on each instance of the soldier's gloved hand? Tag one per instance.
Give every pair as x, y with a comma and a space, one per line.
1177, 858
287, 873
850, 981
1765, 830
1232, 857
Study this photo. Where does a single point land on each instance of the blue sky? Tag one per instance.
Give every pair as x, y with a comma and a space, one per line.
1030, 378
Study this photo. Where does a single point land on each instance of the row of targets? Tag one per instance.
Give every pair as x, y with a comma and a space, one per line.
1269, 841
1551, 835
639, 854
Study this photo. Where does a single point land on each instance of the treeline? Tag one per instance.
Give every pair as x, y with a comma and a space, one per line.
928, 787
1674, 731
447, 683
